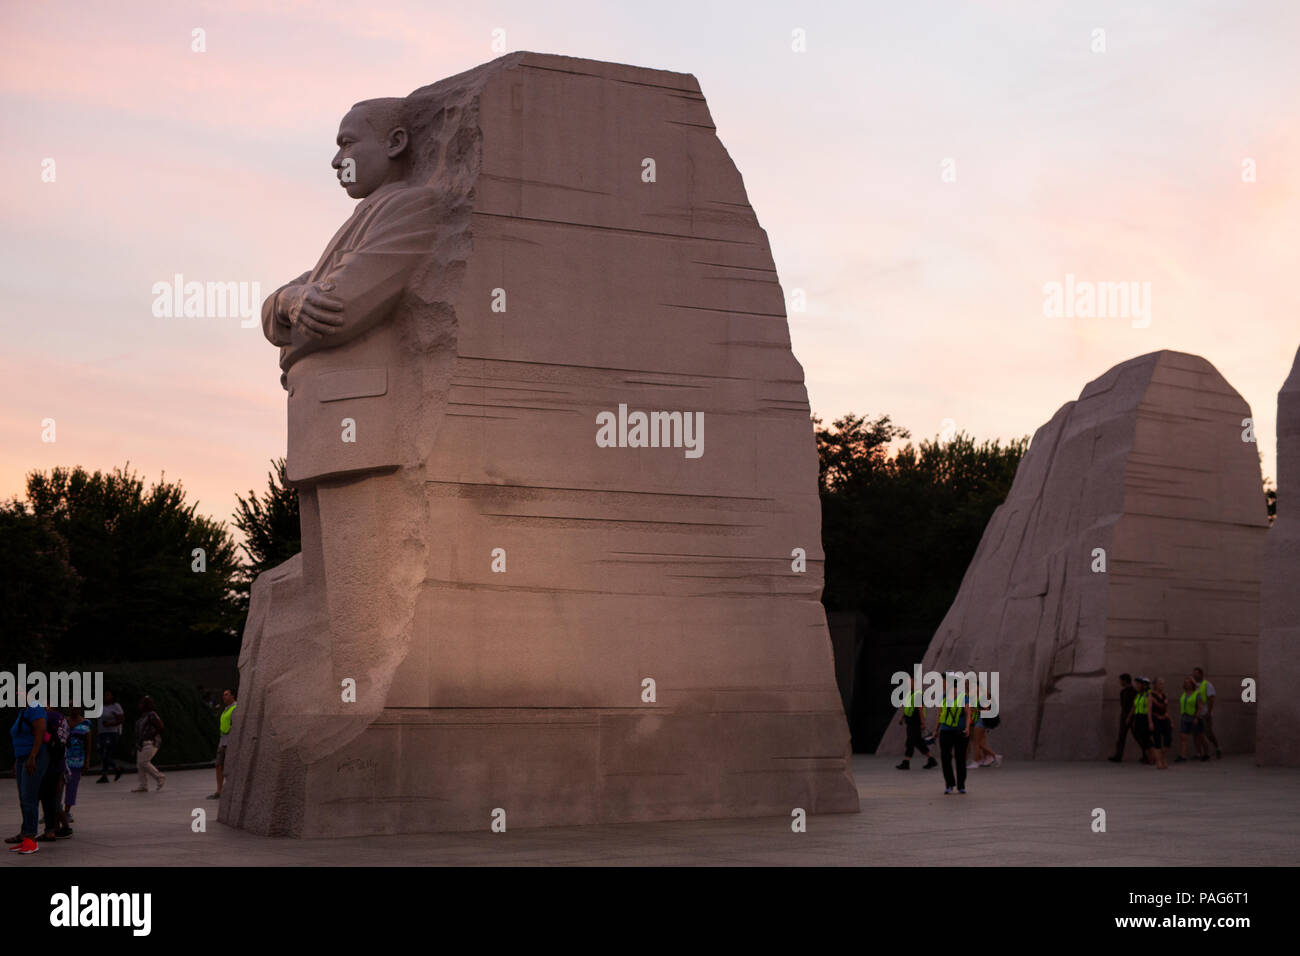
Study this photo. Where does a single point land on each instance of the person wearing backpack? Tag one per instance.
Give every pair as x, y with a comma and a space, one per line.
56, 743
982, 752
30, 759
1142, 727
148, 740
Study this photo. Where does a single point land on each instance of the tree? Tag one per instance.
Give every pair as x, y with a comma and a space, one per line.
852, 449
899, 530
271, 527
38, 587
156, 578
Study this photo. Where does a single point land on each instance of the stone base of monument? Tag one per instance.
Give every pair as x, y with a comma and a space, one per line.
463, 769
694, 752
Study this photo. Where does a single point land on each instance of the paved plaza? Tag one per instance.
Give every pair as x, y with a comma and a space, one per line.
1222, 812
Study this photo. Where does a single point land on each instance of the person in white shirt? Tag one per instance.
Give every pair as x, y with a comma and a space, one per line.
110, 732
1206, 691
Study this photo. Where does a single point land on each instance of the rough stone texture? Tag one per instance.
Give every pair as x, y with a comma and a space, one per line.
1279, 612
1148, 464
523, 690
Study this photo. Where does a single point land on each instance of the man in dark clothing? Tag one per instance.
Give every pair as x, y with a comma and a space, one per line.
1126, 694
913, 717
954, 735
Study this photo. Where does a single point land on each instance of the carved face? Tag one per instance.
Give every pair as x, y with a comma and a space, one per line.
374, 157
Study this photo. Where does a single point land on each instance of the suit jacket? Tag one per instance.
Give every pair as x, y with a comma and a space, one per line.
360, 371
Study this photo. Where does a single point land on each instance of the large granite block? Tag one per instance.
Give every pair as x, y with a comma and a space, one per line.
1279, 636
1149, 466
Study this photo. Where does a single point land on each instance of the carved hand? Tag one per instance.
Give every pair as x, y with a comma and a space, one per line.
312, 308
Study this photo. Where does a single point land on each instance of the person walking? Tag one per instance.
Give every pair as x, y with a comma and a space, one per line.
1142, 720
224, 723
148, 741
913, 718
1189, 721
30, 761
1206, 691
954, 737
1162, 731
1126, 695
110, 733
982, 752
78, 748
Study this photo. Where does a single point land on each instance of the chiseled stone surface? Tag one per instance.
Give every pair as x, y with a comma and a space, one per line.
1148, 465
523, 690
1279, 612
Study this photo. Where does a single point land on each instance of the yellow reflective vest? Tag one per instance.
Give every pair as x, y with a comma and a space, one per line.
226, 717
910, 706
950, 714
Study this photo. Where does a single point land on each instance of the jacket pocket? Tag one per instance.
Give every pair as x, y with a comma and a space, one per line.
334, 386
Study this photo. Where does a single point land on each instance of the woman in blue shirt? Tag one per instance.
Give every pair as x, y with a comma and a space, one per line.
30, 761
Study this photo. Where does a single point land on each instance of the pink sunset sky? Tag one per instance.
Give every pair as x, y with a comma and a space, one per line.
925, 297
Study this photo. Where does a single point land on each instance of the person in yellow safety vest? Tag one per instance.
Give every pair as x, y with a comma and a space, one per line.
227, 718
954, 736
912, 716
1189, 721
1206, 692
1142, 729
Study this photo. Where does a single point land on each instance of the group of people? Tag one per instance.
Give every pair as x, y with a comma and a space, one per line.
958, 728
51, 750
1145, 713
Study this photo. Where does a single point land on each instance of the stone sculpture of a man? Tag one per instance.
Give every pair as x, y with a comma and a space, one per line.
355, 353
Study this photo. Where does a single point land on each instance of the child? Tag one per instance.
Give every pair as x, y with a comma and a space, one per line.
77, 745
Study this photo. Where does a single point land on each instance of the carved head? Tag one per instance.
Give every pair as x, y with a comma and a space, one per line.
372, 141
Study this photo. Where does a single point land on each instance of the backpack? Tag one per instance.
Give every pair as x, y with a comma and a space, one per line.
56, 734
77, 745
990, 723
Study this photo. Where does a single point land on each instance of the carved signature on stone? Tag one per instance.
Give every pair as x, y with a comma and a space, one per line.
358, 763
